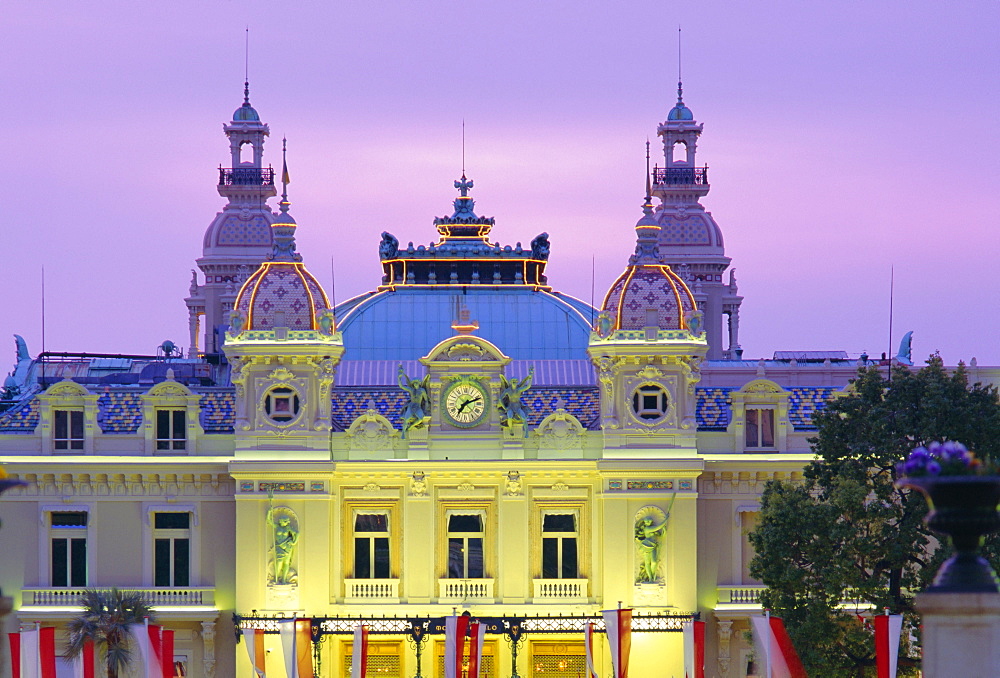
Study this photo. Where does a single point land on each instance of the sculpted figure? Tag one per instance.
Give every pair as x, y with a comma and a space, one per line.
417, 410
511, 409
540, 246
286, 538
648, 537
389, 247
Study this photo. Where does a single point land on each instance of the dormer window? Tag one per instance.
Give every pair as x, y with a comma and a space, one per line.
760, 417
759, 428
67, 430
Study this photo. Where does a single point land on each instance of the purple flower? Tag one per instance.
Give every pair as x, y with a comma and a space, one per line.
947, 458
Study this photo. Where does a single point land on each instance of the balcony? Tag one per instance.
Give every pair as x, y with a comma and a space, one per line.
42, 600
371, 591
739, 596
680, 176
246, 176
560, 590
465, 589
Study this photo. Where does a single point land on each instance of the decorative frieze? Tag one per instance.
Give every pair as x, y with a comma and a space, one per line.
122, 484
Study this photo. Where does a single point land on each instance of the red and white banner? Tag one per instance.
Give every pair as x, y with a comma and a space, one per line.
775, 652
254, 640
588, 644
619, 629
83, 665
477, 634
455, 629
167, 653
33, 653
887, 630
694, 649
296, 646
359, 653
150, 644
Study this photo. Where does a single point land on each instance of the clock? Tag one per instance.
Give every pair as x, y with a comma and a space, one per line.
465, 403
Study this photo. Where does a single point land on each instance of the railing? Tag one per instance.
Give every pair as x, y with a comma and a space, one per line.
559, 589
246, 176
465, 589
156, 596
372, 589
680, 176
740, 595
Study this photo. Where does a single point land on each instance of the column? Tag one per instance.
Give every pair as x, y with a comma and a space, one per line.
961, 634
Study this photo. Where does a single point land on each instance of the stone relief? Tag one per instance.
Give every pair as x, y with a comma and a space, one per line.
418, 484
512, 484
560, 430
371, 431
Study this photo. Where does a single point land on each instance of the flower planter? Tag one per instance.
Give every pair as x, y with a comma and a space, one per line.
965, 509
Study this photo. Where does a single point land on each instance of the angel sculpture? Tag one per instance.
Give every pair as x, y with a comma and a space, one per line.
511, 409
417, 409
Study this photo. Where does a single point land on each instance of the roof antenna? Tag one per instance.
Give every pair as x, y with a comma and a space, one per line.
463, 148
246, 68
680, 86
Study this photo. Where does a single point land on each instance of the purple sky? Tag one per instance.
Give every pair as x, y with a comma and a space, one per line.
842, 138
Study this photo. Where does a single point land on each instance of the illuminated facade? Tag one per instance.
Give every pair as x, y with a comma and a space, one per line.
463, 437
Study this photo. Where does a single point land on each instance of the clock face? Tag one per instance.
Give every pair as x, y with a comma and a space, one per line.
465, 404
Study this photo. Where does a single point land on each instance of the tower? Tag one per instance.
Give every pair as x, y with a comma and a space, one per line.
690, 241
239, 238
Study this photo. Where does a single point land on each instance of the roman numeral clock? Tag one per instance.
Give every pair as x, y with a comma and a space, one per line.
465, 403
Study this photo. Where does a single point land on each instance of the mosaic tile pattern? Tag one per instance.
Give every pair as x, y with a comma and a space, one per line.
348, 403
277, 288
648, 287
218, 412
237, 233
691, 231
582, 403
119, 412
713, 410
21, 418
804, 401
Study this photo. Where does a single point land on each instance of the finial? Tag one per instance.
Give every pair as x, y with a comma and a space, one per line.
283, 228
463, 150
680, 86
649, 190
246, 69
285, 180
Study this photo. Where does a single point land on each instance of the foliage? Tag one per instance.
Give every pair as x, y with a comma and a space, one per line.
107, 619
846, 533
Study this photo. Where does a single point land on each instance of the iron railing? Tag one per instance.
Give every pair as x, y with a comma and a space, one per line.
681, 176
246, 176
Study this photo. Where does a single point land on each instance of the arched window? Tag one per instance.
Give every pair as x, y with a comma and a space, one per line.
246, 152
679, 152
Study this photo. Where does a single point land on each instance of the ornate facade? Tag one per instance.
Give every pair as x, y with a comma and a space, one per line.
463, 437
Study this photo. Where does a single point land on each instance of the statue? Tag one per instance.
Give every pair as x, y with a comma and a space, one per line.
540, 246
417, 411
513, 483
648, 536
389, 247
511, 409
286, 538
905, 355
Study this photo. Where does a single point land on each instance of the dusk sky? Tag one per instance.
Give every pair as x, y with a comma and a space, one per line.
842, 139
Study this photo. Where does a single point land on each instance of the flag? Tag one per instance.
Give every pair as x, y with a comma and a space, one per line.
619, 629
83, 665
588, 644
285, 179
774, 649
296, 646
694, 649
359, 655
254, 640
149, 642
477, 633
33, 653
887, 630
167, 653
454, 645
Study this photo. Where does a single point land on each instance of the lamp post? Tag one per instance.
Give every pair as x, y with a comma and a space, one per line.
416, 635
515, 635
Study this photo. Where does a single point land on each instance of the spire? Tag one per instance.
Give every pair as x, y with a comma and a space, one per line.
649, 189
679, 111
246, 92
283, 228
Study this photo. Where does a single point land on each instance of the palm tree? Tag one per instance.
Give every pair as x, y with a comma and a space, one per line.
107, 619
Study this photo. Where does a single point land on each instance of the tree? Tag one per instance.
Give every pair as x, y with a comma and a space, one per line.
846, 532
107, 620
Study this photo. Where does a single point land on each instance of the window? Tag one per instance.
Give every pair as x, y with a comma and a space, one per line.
760, 427
465, 547
69, 548
171, 549
68, 430
650, 402
559, 554
371, 546
281, 404
171, 430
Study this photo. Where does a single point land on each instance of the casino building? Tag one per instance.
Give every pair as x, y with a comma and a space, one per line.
462, 438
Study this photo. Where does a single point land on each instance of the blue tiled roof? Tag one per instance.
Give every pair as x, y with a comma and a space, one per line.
370, 373
713, 410
22, 418
218, 412
804, 401
119, 412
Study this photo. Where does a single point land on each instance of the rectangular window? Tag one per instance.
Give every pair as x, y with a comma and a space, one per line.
559, 553
172, 549
171, 430
760, 428
68, 433
371, 546
465, 547
68, 540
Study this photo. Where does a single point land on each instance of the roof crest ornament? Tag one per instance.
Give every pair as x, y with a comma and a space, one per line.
283, 229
